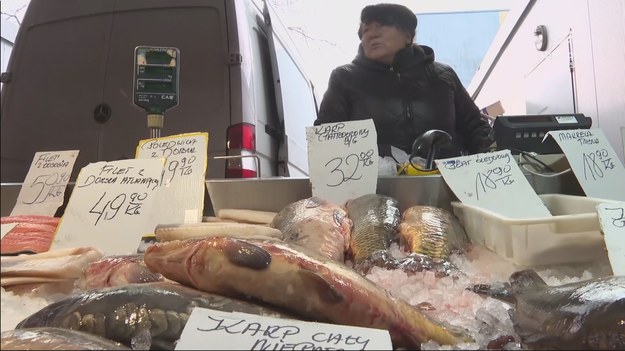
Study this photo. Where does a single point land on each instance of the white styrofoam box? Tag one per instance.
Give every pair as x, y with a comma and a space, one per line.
571, 234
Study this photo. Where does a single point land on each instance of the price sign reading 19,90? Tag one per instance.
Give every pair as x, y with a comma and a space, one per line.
111, 206
43, 190
343, 159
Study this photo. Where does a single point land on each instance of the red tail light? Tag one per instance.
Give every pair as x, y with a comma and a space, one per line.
241, 136
241, 140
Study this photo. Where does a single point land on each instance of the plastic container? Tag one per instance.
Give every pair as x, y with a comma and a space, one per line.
572, 234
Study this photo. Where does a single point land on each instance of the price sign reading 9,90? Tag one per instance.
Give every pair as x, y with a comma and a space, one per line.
343, 159
43, 190
112, 205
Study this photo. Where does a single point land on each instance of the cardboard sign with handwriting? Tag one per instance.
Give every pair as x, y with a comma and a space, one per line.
492, 181
43, 190
593, 161
181, 199
242, 331
343, 160
612, 220
111, 206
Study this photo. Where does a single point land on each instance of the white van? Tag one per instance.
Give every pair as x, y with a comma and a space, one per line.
69, 84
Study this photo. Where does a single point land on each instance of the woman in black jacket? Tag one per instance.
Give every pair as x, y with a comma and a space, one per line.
400, 86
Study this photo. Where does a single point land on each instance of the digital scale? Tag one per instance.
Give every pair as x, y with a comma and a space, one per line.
155, 86
526, 132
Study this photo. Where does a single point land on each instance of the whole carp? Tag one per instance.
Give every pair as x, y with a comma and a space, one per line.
50, 338
583, 315
143, 316
432, 231
375, 219
296, 279
316, 224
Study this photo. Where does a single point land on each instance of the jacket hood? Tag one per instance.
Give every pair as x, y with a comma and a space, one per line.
408, 57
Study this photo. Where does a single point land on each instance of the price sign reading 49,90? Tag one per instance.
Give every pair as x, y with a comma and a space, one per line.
112, 205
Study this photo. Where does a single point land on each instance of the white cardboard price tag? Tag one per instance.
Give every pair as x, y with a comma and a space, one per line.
111, 206
593, 161
612, 220
6, 228
43, 190
181, 198
343, 160
492, 181
242, 331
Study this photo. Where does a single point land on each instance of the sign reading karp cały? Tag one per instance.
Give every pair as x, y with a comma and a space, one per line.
492, 181
343, 160
43, 189
182, 182
593, 161
243, 331
111, 206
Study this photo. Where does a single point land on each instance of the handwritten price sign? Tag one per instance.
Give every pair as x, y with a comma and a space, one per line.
492, 181
43, 189
343, 160
241, 331
182, 180
593, 161
112, 206
612, 220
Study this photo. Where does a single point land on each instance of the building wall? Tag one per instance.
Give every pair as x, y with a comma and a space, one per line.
528, 81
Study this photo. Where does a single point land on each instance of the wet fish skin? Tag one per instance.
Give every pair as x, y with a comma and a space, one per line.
50, 338
297, 279
116, 270
375, 219
316, 224
582, 315
431, 231
160, 308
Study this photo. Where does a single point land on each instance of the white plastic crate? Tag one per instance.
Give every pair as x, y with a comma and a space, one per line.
572, 234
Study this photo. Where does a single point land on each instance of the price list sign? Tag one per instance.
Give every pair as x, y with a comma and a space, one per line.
242, 331
43, 190
343, 160
593, 161
612, 220
492, 181
181, 199
111, 206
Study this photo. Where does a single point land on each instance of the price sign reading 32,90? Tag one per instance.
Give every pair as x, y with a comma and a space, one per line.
343, 159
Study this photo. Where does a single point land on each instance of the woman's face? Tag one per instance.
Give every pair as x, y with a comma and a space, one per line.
382, 42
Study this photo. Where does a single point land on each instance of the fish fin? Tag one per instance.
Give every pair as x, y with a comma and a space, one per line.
244, 254
326, 291
525, 279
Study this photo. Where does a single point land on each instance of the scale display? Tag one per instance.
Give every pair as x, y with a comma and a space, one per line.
155, 87
526, 132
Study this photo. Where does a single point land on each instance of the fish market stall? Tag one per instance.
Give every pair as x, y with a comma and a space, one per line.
431, 286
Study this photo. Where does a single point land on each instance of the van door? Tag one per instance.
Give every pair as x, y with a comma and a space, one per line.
72, 71
297, 108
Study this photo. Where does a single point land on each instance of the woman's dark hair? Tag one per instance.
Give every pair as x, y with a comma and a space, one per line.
395, 15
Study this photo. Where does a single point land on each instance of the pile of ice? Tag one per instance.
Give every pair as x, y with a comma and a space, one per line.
17, 307
447, 300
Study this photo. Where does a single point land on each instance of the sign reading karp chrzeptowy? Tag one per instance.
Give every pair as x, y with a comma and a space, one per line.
492, 181
612, 220
112, 206
343, 160
183, 180
593, 161
243, 331
43, 190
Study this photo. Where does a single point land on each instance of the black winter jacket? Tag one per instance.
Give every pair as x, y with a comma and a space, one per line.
406, 99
